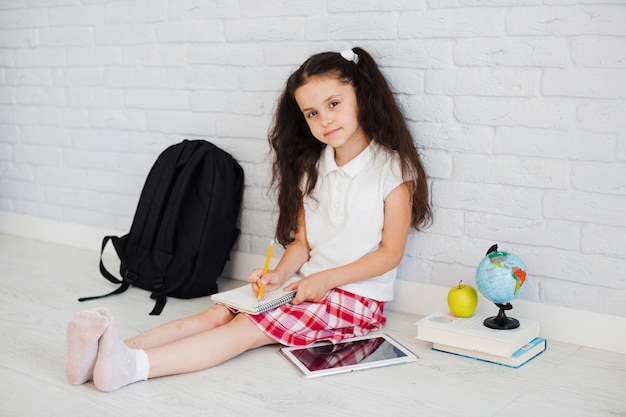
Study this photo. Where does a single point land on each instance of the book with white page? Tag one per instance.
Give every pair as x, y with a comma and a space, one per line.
470, 333
245, 300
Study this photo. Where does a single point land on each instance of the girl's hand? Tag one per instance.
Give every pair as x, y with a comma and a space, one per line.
312, 288
271, 280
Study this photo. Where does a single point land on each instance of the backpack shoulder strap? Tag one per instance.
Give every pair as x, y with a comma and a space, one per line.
134, 247
105, 272
151, 206
188, 162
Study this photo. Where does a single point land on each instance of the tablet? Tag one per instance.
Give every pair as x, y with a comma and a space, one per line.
357, 354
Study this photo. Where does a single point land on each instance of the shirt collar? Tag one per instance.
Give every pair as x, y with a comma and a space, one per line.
352, 168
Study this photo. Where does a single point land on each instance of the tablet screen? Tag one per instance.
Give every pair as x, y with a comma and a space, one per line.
354, 354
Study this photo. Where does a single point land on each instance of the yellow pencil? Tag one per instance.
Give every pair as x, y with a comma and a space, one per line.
265, 268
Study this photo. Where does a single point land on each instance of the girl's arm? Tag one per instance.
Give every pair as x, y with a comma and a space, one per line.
295, 255
397, 224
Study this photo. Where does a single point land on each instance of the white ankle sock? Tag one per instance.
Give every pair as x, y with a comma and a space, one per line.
143, 365
83, 334
117, 364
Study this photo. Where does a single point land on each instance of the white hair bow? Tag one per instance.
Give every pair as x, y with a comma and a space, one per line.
350, 55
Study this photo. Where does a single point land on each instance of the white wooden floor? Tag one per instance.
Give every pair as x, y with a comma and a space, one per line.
40, 283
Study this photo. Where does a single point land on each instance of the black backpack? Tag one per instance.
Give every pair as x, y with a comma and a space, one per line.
184, 227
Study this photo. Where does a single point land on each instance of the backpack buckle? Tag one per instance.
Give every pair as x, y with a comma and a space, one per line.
157, 282
130, 276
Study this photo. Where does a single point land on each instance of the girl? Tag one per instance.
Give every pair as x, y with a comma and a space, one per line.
350, 186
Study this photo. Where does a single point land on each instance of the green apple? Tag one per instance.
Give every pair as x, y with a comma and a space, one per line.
462, 300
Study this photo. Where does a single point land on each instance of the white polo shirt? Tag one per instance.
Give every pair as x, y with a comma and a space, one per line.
344, 214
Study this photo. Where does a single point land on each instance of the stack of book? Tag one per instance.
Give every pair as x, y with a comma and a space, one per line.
469, 337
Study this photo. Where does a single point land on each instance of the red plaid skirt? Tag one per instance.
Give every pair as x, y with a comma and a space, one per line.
337, 316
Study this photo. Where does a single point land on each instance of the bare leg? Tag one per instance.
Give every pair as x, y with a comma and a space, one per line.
207, 349
118, 365
211, 318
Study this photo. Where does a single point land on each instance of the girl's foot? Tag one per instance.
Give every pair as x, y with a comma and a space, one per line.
83, 333
117, 364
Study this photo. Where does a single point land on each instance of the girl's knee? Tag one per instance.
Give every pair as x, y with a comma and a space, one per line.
218, 315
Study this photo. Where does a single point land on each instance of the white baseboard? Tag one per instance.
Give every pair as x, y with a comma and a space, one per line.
562, 324
69, 234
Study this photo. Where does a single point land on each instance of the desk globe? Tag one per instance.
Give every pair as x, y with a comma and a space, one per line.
501, 278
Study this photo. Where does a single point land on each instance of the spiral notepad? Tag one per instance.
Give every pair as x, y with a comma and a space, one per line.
245, 300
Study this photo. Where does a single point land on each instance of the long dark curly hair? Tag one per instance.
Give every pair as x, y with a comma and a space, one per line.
296, 151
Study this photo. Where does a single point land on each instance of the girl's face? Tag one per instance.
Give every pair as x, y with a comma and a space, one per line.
330, 109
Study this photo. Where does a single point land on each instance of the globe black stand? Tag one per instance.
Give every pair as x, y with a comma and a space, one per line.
501, 321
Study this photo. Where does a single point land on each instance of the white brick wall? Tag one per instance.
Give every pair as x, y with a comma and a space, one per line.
519, 107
